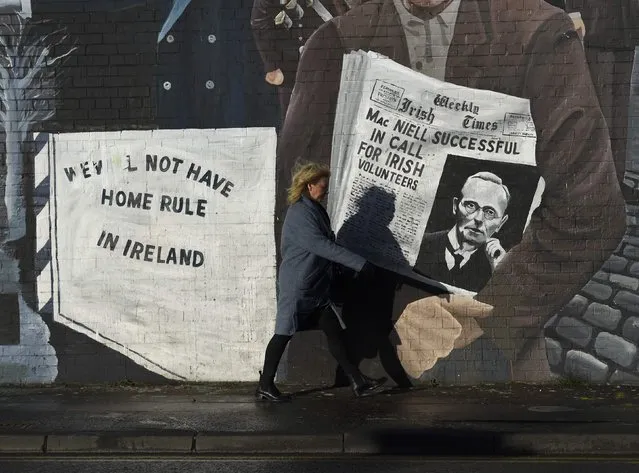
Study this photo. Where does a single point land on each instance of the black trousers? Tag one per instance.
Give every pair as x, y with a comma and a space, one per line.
324, 319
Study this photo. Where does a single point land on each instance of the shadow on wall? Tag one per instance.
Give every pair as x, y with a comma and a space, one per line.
83, 360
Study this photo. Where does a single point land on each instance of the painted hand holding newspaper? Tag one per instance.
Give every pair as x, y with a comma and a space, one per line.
421, 177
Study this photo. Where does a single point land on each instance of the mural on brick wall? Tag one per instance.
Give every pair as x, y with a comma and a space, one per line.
28, 85
178, 224
594, 336
560, 300
536, 51
132, 64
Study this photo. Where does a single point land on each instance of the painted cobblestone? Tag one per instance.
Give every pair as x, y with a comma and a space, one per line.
616, 349
575, 307
584, 366
603, 316
631, 252
595, 337
631, 329
628, 301
574, 330
616, 264
554, 351
597, 291
625, 282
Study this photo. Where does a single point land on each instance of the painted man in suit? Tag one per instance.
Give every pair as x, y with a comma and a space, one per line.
612, 33
169, 64
281, 29
527, 49
466, 255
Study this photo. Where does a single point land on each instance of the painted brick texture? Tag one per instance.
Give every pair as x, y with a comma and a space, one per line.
207, 73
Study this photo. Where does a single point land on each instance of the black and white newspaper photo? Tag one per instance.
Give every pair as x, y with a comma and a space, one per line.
423, 171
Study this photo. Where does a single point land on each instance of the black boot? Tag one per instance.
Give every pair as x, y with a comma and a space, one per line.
363, 386
341, 379
267, 391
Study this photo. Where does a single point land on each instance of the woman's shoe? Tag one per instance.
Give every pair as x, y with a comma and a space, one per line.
341, 380
271, 394
363, 386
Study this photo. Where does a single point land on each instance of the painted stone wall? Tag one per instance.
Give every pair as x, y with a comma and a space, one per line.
127, 66
596, 336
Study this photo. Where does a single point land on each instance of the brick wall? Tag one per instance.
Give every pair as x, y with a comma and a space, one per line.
207, 73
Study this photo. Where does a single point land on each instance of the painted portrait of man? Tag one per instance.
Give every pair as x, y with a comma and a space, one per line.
466, 255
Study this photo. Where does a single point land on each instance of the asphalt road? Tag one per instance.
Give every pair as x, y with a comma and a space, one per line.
312, 465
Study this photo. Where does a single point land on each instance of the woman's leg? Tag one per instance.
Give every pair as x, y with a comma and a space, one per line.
274, 351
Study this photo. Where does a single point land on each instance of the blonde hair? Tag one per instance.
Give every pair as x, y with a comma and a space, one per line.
305, 174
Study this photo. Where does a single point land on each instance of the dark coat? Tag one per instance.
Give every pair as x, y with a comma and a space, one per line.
308, 252
205, 73
612, 32
431, 262
531, 51
609, 25
214, 70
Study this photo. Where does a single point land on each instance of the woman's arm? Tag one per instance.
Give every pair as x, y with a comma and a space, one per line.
306, 233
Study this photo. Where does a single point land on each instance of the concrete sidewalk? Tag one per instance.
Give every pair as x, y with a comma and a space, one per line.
224, 419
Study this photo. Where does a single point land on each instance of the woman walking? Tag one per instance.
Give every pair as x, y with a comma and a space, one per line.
304, 283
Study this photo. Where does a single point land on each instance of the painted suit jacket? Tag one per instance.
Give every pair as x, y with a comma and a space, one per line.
431, 262
278, 46
527, 49
609, 25
612, 33
205, 73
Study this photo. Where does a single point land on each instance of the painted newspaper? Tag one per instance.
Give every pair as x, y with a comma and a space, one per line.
430, 179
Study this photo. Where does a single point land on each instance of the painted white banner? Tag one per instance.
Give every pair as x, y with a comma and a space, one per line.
163, 246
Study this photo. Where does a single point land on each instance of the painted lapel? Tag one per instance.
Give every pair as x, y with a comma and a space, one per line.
174, 15
470, 47
389, 38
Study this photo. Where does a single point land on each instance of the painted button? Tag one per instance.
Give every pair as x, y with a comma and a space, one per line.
170, 38
210, 84
167, 85
212, 38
